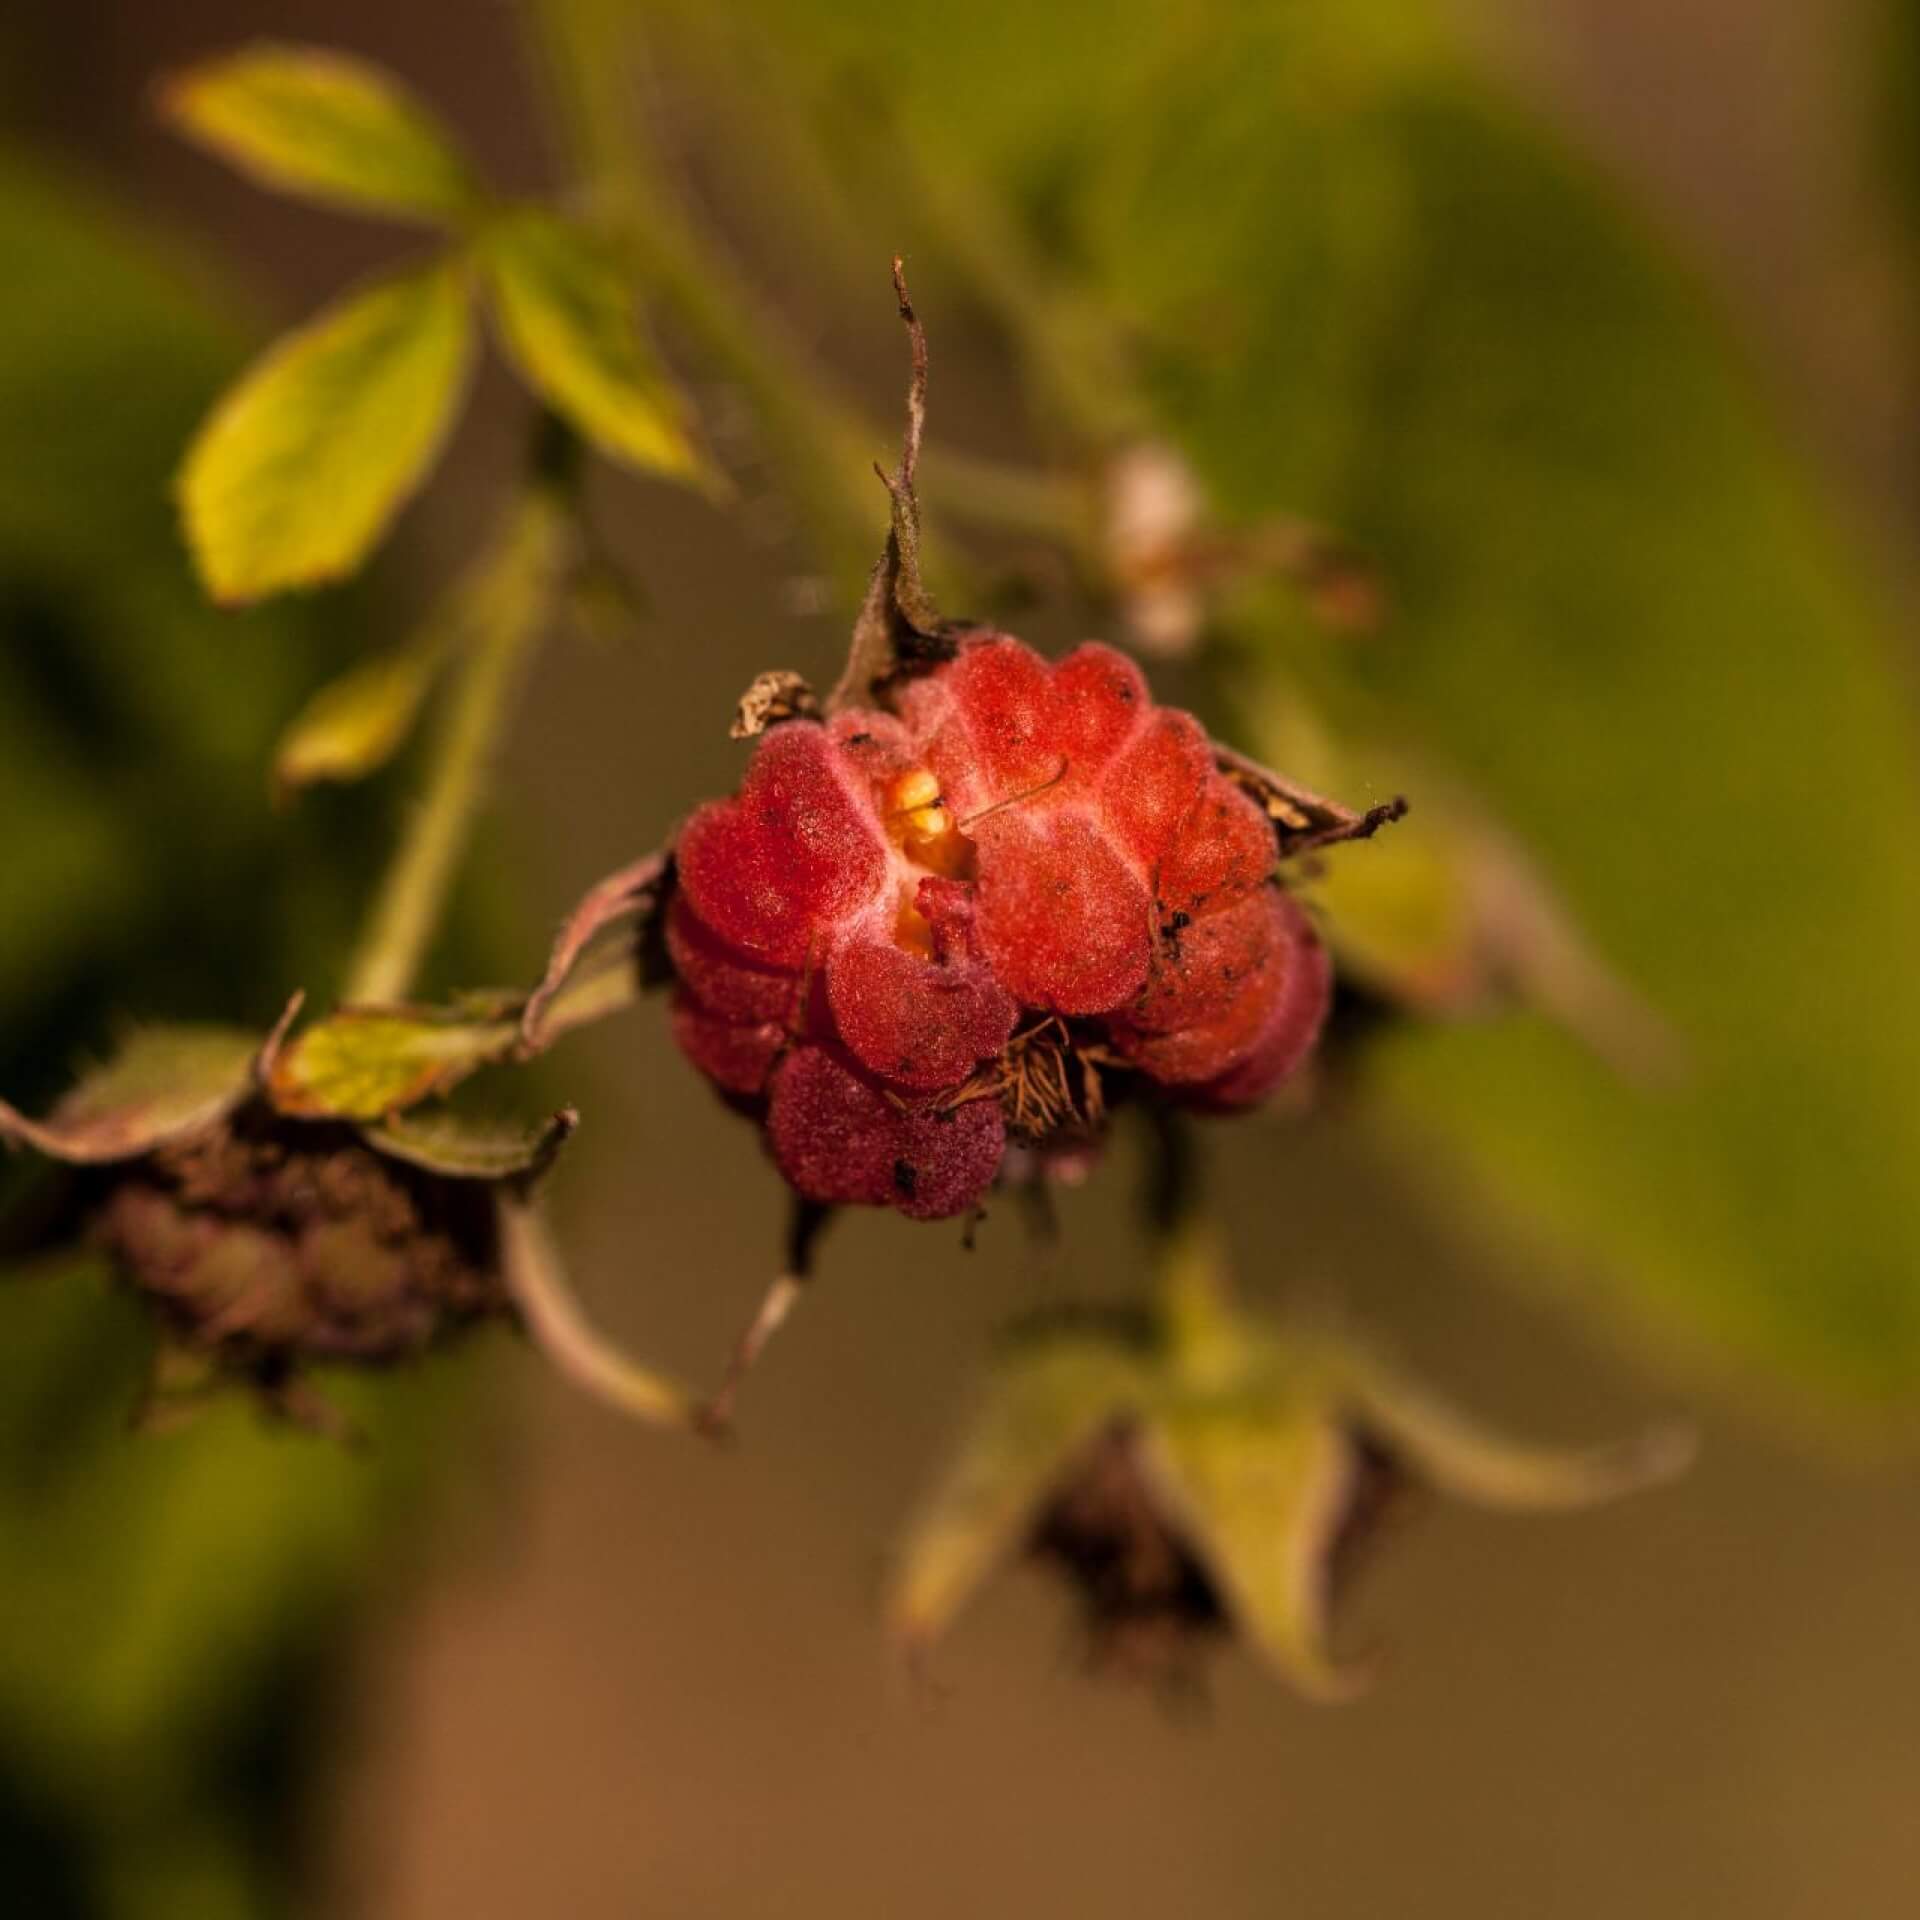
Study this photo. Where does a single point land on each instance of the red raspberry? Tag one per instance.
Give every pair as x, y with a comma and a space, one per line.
898, 911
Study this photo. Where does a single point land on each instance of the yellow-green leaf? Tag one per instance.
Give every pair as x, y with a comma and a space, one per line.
566, 320
300, 467
354, 725
317, 123
368, 1063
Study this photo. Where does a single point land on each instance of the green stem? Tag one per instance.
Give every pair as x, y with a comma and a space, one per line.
1192, 1279
1194, 1289
501, 610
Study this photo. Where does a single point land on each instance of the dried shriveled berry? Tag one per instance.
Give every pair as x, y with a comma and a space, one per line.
269, 1242
873, 933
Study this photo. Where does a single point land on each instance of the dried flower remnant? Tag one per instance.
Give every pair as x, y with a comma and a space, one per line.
1167, 565
1145, 1599
1196, 1474
266, 1244
271, 1228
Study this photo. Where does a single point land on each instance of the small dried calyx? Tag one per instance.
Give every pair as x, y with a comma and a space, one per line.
1195, 1473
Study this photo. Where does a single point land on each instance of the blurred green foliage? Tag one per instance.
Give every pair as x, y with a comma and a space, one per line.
145, 871
328, 127
172, 1602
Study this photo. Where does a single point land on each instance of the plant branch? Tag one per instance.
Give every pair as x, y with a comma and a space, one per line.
501, 608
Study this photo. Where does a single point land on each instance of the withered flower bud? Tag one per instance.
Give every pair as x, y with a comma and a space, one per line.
267, 1241
1196, 1473
1145, 1598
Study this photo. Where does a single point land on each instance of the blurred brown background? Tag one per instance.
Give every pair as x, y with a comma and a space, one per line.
645, 1680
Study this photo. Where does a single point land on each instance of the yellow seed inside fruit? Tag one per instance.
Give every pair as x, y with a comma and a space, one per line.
915, 811
911, 791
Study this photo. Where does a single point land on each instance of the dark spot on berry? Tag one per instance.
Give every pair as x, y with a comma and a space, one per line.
905, 1177
1181, 921
859, 739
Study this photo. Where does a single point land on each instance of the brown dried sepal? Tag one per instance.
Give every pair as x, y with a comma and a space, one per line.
1303, 821
776, 696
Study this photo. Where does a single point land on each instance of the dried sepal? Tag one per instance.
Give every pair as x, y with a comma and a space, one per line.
776, 696
1303, 821
636, 892
536, 1281
1261, 1494
164, 1084
1050, 1395
898, 626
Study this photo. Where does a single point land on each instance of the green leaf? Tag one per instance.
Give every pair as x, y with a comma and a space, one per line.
369, 1063
353, 726
1046, 1400
163, 1084
318, 123
300, 467
566, 320
1259, 1491
466, 1147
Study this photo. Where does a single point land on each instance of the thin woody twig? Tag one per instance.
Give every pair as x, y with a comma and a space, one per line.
897, 619
808, 1221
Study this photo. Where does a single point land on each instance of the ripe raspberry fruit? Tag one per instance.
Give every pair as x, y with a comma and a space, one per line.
911, 932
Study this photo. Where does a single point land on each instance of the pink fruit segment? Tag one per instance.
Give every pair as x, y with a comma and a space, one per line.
1100, 700
915, 1021
1153, 785
839, 1140
793, 854
1063, 918
737, 1056
721, 977
1222, 851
